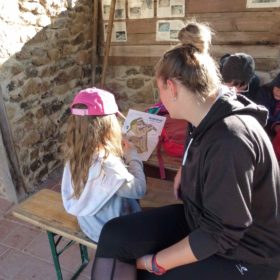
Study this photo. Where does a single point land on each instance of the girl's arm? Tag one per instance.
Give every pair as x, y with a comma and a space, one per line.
135, 188
176, 255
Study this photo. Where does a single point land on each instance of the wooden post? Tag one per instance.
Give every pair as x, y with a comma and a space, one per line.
10, 148
94, 59
108, 41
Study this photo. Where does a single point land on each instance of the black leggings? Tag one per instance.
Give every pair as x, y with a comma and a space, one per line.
126, 238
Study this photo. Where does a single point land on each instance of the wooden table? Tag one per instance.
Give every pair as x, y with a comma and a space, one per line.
171, 165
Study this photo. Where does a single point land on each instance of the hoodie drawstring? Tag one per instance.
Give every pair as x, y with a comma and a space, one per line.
186, 152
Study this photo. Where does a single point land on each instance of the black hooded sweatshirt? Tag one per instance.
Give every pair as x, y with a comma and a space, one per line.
231, 185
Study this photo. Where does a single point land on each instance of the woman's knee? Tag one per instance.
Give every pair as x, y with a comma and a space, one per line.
112, 238
111, 228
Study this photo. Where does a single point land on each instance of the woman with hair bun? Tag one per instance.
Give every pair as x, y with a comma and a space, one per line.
228, 224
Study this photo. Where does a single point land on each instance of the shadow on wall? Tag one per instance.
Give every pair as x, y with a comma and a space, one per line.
45, 56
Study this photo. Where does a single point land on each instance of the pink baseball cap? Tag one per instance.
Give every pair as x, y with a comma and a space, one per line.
99, 102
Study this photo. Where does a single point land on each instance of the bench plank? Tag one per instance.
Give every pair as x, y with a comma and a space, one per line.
45, 210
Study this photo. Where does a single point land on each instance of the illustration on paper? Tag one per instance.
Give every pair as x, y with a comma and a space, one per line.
143, 130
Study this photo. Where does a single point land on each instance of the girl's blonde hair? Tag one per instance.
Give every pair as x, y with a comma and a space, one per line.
86, 138
189, 62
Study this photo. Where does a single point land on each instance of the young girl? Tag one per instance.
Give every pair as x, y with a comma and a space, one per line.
97, 185
228, 225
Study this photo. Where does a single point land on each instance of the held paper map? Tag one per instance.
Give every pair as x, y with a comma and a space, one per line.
143, 130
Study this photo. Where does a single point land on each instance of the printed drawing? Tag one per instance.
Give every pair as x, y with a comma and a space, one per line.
138, 134
143, 130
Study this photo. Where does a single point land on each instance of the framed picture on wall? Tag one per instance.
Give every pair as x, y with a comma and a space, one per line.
262, 3
119, 31
167, 30
140, 9
170, 8
119, 9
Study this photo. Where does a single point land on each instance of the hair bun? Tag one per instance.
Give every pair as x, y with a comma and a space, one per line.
196, 35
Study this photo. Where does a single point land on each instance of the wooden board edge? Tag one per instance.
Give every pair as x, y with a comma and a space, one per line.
54, 230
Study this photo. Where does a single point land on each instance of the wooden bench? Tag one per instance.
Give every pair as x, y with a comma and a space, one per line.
45, 210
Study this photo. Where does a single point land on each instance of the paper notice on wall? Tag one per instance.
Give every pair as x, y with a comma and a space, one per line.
167, 30
119, 32
119, 9
140, 9
170, 8
143, 130
262, 3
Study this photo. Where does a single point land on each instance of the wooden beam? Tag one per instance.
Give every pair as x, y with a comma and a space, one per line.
263, 21
94, 58
137, 51
10, 148
108, 41
246, 38
220, 38
132, 61
221, 6
217, 50
271, 52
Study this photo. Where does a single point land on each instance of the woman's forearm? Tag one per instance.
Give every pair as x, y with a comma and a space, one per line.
176, 255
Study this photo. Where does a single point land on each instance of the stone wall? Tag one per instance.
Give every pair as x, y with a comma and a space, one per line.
45, 57
133, 86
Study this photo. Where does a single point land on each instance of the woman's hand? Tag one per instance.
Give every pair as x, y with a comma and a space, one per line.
177, 182
144, 262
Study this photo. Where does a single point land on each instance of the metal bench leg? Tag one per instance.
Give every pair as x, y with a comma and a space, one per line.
85, 261
56, 254
84, 254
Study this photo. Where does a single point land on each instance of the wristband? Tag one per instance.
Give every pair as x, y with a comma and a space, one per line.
156, 268
146, 265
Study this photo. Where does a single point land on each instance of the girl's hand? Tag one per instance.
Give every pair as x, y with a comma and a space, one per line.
127, 145
177, 182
